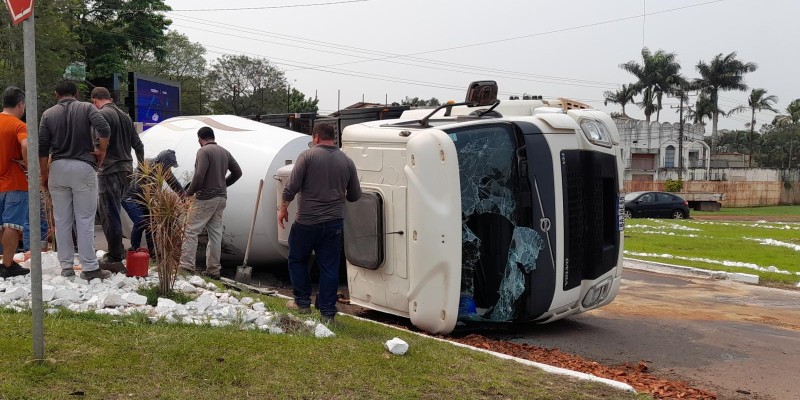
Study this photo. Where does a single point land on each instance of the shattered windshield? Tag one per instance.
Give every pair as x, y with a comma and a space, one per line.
494, 250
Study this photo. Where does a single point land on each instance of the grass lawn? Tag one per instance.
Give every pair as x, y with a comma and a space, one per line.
753, 211
126, 357
708, 243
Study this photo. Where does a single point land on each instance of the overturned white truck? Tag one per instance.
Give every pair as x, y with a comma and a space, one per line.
480, 211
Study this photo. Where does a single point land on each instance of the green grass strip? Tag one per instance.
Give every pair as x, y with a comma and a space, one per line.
108, 357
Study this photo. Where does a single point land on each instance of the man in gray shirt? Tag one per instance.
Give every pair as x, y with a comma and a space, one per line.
114, 177
324, 177
209, 186
66, 136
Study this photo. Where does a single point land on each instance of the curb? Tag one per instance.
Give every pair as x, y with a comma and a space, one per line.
545, 367
671, 269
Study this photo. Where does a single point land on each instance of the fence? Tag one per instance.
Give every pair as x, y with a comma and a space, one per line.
784, 189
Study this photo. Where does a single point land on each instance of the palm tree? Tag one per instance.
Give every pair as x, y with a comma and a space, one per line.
702, 109
792, 116
722, 73
758, 101
622, 96
668, 78
656, 75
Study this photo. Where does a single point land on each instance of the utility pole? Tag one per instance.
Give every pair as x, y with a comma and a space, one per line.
683, 96
34, 195
680, 139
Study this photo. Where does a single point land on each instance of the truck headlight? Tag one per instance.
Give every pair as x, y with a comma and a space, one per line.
596, 294
596, 132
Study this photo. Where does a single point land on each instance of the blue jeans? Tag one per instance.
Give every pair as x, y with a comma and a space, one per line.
138, 214
26, 234
325, 239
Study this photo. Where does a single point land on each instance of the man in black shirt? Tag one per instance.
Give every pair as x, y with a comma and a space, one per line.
114, 176
66, 136
325, 178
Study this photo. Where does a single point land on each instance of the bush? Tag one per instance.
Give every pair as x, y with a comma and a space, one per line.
673, 186
168, 217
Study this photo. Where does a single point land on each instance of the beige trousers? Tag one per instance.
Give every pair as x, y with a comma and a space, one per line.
205, 214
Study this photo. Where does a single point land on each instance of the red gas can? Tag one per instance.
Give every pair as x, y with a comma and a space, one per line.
137, 262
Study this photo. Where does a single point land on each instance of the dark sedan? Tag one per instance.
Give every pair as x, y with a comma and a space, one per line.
655, 205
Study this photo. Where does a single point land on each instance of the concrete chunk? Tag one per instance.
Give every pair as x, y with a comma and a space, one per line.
135, 299
322, 331
397, 346
68, 294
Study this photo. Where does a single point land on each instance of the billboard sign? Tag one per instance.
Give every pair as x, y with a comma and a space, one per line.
153, 99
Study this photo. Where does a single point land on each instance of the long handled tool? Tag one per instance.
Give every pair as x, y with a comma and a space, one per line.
244, 273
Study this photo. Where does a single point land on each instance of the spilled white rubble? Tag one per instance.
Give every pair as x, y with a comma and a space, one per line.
710, 261
118, 296
396, 346
778, 243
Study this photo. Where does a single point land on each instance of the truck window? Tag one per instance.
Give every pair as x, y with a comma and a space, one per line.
493, 243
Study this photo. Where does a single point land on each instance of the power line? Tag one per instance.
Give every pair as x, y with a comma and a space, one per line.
326, 45
238, 8
316, 67
391, 56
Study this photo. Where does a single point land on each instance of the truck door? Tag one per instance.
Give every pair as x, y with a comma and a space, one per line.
434, 231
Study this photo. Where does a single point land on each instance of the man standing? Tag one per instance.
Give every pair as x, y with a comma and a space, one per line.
133, 205
114, 177
65, 134
209, 186
324, 177
13, 181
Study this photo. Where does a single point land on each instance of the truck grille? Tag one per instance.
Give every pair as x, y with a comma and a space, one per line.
591, 234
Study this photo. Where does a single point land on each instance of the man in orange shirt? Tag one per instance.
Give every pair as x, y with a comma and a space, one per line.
13, 180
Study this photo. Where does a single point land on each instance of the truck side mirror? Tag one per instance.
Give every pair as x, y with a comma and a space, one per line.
482, 93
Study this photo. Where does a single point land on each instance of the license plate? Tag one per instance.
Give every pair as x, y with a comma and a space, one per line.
621, 213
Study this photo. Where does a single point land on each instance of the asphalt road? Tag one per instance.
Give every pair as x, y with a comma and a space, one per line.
738, 340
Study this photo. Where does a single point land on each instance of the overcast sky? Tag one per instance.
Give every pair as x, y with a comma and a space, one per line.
551, 48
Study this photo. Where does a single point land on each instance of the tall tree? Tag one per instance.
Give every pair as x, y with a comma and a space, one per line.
656, 75
623, 96
298, 103
723, 73
243, 85
111, 32
418, 102
757, 101
56, 47
702, 109
183, 61
792, 116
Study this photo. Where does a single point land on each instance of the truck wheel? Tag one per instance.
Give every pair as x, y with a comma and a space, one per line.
678, 214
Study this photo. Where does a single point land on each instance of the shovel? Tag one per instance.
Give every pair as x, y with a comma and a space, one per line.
243, 272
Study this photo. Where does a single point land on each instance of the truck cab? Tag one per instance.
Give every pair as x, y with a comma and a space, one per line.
486, 210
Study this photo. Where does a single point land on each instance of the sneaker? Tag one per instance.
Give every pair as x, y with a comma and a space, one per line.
327, 319
67, 272
14, 270
294, 307
116, 267
98, 273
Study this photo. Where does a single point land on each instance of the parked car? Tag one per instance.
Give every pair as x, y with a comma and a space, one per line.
655, 205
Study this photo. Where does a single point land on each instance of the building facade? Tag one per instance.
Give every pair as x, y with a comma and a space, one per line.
653, 151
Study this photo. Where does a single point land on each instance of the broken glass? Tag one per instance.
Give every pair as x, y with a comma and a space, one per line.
522, 254
487, 165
